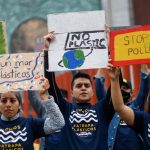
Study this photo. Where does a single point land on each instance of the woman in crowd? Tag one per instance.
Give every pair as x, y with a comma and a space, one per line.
19, 133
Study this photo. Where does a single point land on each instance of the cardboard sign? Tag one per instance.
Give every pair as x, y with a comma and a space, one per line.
130, 46
21, 71
79, 42
3, 39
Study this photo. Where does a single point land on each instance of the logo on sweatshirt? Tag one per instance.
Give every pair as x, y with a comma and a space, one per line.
84, 122
12, 136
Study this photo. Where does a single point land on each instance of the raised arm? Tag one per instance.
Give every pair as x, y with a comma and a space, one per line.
144, 86
125, 112
100, 84
54, 89
54, 119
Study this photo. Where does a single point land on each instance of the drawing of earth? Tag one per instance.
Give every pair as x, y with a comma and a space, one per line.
72, 59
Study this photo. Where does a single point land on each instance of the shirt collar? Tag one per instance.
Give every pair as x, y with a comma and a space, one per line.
9, 119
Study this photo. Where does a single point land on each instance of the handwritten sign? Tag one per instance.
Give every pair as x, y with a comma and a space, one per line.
85, 40
3, 39
21, 71
79, 42
130, 46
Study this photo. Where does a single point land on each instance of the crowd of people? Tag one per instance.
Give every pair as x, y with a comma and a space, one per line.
115, 122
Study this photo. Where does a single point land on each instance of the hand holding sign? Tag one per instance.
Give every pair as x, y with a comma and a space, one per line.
80, 41
48, 38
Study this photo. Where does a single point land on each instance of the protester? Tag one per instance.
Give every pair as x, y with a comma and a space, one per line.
86, 125
119, 133
18, 132
99, 81
54, 138
52, 141
137, 119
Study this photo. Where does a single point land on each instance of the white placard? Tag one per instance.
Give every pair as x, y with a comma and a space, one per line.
76, 21
82, 31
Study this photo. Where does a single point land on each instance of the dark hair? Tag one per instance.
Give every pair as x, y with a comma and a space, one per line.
124, 81
127, 83
17, 94
19, 98
80, 75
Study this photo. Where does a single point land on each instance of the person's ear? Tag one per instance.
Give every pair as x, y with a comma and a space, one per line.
72, 93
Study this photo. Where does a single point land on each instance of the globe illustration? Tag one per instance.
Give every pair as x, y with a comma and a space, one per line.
73, 59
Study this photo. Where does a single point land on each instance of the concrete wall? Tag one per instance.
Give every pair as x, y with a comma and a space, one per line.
118, 12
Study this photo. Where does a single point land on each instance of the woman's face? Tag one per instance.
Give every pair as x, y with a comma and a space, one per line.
9, 104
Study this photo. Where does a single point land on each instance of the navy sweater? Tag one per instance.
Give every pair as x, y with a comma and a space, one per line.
20, 133
142, 126
86, 125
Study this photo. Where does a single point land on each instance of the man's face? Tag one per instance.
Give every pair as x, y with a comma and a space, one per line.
82, 90
9, 104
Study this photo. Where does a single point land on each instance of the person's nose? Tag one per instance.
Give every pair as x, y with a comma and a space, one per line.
8, 104
83, 87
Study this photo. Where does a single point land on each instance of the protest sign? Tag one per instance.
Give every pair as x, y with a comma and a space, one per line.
79, 42
21, 71
3, 39
130, 46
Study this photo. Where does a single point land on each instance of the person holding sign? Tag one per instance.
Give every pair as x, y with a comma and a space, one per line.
138, 120
18, 132
99, 81
52, 141
86, 125
119, 133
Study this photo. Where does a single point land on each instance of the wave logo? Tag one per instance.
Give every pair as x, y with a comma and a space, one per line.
87, 117
12, 137
149, 130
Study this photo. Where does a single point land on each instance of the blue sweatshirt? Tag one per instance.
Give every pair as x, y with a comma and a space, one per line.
120, 135
86, 125
20, 133
142, 125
